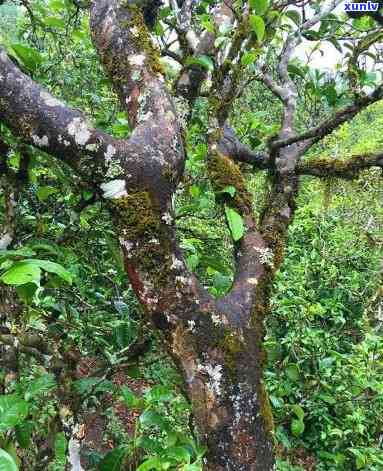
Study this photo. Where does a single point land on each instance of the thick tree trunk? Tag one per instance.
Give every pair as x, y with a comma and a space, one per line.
229, 402
217, 348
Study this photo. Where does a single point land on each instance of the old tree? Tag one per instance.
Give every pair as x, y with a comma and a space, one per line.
219, 49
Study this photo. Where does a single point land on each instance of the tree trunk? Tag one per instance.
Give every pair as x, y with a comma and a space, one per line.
222, 369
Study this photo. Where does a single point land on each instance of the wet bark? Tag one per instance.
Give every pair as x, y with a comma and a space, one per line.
217, 344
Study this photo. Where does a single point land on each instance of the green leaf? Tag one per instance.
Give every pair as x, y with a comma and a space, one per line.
44, 192
151, 463
61, 445
52, 267
114, 460
23, 433
292, 372
231, 190
235, 222
130, 399
297, 427
29, 57
39, 386
260, 7
258, 26
298, 411
21, 273
204, 61
13, 410
94, 385
151, 418
327, 398
159, 393
22, 252
249, 57
192, 467
294, 16
179, 453
26, 292
6, 462
293, 69
55, 22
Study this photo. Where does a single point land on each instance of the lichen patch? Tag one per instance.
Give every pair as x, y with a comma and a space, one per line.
114, 189
79, 130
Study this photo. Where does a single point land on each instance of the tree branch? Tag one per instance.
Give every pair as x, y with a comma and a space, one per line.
347, 169
230, 145
48, 124
333, 122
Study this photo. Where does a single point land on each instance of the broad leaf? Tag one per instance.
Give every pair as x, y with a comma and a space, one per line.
203, 61
39, 386
235, 222
44, 192
249, 57
258, 26
114, 460
151, 463
294, 16
13, 410
53, 267
23, 433
21, 273
151, 418
298, 411
259, 6
292, 372
297, 427
6, 462
30, 57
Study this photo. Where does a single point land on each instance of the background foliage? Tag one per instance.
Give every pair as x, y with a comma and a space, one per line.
324, 339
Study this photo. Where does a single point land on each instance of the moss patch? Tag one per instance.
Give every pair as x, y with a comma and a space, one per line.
142, 39
224, 172
265, 409
136, 215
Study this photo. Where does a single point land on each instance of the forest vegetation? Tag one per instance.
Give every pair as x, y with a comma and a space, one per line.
191, 233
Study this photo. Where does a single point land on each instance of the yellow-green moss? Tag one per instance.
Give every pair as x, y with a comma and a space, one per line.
232, 345
224, 172
136, 215
265, 409
143, 40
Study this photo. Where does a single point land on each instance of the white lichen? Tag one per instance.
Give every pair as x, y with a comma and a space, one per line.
126, 244
216, 319
114, 189
49, 100
137, 60
252, 281
266, 256
40, 141
176, 264
110, 152
215, 376
182, 108
79, 130
92, 147
135, 31
5, 241
167, 218
191, 325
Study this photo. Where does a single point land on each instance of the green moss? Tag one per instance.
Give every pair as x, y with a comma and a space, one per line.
232, 345
224, 172
265, 409
143, 40
138, 219
136, 215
